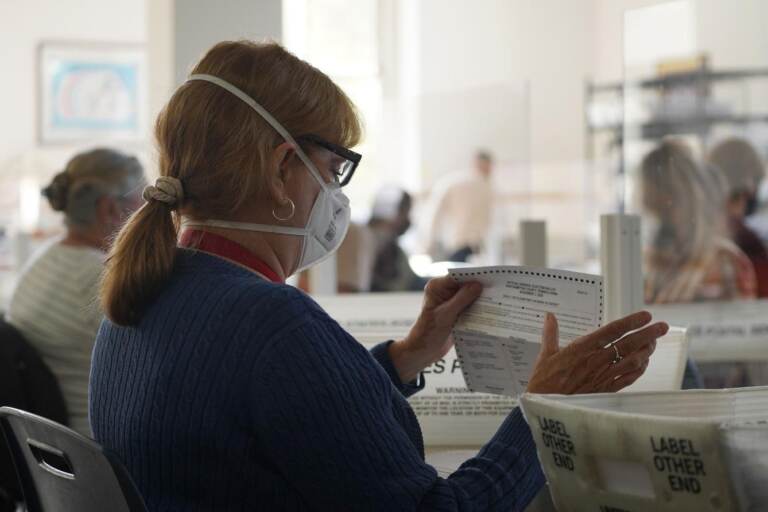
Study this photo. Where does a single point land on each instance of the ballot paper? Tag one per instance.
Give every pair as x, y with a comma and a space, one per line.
449, 414
682, 451
499, 337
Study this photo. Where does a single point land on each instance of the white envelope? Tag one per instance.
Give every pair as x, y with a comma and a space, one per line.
683, 451
667, 364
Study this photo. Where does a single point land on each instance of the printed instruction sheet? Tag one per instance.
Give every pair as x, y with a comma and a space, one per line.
498, 338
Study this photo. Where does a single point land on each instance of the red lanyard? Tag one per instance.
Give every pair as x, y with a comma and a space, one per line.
224, 247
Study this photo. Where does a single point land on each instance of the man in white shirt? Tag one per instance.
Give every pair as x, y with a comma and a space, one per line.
462, 212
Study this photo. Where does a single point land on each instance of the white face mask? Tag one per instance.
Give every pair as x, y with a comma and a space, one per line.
329, 219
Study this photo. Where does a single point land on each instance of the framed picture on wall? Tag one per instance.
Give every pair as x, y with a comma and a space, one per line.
91, 92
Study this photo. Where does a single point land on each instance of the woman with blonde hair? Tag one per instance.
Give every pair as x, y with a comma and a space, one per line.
222, 388
690, 257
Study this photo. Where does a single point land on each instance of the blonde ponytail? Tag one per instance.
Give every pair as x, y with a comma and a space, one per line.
139, 263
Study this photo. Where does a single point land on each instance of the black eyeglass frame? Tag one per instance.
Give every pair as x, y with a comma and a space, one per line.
341, 151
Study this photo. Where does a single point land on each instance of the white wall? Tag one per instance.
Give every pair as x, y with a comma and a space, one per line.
25, 165
608, 37
483, 47
735, 33
471, 92
26, 23
732, 32
160, 25
179, 32
545, 44
199, 24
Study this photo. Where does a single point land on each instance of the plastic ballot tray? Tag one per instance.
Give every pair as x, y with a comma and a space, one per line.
696, 450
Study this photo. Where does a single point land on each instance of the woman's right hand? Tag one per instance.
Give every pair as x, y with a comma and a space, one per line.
588, 364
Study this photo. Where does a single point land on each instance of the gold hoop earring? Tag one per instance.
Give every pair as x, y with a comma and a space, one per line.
292, 206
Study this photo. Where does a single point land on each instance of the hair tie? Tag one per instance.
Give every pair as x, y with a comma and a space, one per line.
167, 189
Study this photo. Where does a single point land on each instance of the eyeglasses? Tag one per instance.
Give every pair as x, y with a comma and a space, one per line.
350, 159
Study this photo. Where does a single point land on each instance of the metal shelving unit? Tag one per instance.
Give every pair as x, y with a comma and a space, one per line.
700, 122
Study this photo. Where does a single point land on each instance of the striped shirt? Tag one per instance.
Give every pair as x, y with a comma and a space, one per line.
54, 306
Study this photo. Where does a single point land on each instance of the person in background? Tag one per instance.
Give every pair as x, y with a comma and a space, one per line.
370, 258
743, 170
222, 388
758, 221
690, 257
55, 303
390, 219
461, 212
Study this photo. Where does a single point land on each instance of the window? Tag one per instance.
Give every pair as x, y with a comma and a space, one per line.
341, 38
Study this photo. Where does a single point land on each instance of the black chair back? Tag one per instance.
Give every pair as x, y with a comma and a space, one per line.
25, 383
63, 471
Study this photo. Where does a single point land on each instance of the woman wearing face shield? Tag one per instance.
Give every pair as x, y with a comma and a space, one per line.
222, 388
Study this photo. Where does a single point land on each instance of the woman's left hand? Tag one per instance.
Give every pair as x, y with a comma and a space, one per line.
430, 337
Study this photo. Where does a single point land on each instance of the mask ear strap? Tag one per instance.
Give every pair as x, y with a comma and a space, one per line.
247, 226
266, 116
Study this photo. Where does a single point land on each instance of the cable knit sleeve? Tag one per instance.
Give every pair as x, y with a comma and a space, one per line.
329, 421
381, 354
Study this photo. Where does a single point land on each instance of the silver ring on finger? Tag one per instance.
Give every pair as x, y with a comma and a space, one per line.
618, 355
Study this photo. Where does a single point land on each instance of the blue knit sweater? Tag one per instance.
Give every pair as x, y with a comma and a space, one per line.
234, 393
